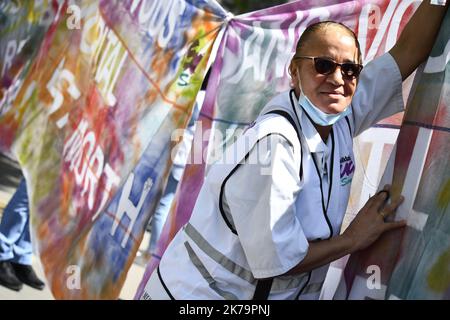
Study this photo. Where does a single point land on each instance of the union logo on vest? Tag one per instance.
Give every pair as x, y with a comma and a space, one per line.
347, 170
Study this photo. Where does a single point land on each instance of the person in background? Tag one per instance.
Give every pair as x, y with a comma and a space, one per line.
15, 244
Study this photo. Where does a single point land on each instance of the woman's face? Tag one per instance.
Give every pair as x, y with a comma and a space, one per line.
330, 93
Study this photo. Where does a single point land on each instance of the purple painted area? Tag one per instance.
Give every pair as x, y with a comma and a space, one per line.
233, 42
347, 169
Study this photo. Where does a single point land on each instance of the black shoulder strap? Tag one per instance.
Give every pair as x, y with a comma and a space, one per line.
291, 121
349, 127
263, 289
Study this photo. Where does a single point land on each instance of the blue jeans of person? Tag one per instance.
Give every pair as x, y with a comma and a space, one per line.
161, 213
15, 242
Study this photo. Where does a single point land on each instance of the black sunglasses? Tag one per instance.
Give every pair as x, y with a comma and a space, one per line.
327, 66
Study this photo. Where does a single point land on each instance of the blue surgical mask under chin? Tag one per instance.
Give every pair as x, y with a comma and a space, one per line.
318, 116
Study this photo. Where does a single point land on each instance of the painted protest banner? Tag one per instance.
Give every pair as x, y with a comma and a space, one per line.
251, 66
91, 126
23, 25
414, 263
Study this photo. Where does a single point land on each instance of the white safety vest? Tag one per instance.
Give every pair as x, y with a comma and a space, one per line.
240, 231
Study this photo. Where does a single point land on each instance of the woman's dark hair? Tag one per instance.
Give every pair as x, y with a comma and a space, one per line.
311, 30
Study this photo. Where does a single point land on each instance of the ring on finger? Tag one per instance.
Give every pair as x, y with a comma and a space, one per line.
383, 214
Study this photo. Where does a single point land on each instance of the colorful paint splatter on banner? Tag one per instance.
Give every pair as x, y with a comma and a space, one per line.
414, 263
251, 67
91, 126
23, 25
